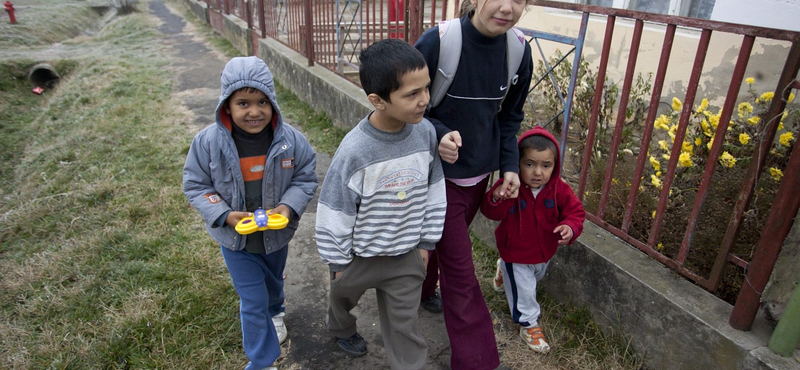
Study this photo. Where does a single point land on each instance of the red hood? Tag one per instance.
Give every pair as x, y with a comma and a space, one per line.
539, 130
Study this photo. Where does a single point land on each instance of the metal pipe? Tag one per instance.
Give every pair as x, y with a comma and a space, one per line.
786, 336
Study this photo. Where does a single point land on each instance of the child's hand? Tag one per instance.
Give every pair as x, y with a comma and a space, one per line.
283, 210
448, 147
565, 232
424, 254
510, 186
497, 194
234, 217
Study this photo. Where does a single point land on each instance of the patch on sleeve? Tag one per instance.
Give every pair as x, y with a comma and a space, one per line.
287, 163
213, 198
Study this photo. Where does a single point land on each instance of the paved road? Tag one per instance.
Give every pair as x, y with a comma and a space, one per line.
309, 346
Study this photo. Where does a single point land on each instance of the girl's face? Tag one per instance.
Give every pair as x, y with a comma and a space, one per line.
495, 17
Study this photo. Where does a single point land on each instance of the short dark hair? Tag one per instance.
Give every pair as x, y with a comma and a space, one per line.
538, 143
384, 63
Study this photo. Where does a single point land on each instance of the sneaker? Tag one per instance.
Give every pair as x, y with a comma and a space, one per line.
354, 345
432, 303
534, 338
497, 282
280, 327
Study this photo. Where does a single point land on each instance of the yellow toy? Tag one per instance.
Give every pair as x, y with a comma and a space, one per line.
260, 221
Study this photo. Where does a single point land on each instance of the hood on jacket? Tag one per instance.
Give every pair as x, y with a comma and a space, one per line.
242, 72
539, 130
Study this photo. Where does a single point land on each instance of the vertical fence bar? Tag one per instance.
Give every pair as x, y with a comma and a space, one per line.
588, 152
621, 112
661, 72
716, 146
677, 146
573, 77
309, 21
779, 222
414, 16
790, 70
262, 19
711, 162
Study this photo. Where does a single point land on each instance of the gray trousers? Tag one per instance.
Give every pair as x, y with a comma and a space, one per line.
397, 282
520, 281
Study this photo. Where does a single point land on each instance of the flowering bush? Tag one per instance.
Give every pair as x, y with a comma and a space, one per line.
745, 129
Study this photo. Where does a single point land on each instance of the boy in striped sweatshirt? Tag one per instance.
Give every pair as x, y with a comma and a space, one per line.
382, 206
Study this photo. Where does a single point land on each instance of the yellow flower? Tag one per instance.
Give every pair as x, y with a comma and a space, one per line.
656, 181
654, 214
656, 164
786, 138
658, 173
660, 246
790, 98
687, 147
714, 120
776, 173
663, 145
767, 96
754, 120
710, 143
780, 125
744, 138
703, 105
745, 109
665, 156
697, 141
706, 128
750, 80
676, 104
672, 131
662, 122
685, 160
727, 160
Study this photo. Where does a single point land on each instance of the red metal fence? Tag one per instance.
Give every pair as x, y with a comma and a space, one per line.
341, 28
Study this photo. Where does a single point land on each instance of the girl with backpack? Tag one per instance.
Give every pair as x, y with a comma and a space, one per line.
476, 122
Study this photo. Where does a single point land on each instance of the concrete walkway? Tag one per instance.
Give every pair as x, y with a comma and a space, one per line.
197, 67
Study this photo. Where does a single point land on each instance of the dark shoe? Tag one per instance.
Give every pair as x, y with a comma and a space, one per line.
432, 303
354, 345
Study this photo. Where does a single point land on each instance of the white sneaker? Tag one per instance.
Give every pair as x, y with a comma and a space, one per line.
534, 338
280, 328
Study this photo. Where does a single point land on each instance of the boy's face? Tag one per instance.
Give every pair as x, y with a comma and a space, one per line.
536, 167
495, 17
251, 110
407, 104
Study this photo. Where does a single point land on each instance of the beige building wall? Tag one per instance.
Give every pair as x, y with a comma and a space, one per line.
765, 65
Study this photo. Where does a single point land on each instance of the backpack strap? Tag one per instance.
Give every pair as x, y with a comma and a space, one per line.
449, 55
515, 49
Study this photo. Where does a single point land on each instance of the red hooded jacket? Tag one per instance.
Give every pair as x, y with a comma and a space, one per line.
525, 233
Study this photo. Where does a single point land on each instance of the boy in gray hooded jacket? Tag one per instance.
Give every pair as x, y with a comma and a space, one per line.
249, 159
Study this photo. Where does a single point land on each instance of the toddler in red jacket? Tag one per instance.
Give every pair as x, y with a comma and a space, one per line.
546, 214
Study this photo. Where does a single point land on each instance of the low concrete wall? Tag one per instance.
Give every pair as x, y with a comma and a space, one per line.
235, 30
345, 103
199, 9
671, 322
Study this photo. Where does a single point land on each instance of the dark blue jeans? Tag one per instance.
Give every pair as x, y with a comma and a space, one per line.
258, 279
